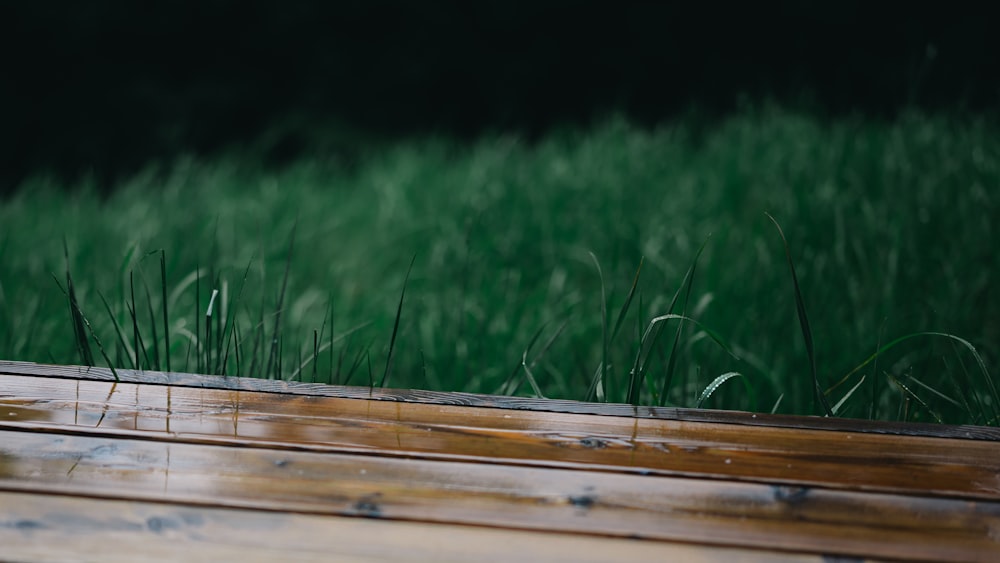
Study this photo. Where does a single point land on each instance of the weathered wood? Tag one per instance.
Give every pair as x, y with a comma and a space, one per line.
855, 461
238, 468
61, 528
527, 498
503, 402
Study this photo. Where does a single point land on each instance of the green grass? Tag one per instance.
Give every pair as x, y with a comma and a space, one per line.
525, 267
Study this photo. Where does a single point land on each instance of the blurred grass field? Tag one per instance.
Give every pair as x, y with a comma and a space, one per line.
892, 228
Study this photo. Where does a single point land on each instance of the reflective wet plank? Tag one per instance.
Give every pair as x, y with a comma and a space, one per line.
176, 379
184, 467
540, 499
60, 528
778, 455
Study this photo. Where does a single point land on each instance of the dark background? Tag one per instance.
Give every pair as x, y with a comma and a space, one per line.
100, 87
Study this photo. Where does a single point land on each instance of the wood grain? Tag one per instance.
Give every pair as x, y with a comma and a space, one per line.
503, 402
181, 466
783, 456
61, 528
526, 498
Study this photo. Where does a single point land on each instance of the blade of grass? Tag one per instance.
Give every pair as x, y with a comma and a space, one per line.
777, 403
505, 389
599, 384
967, 390
133, 248
640, 314
531, 380
595, 381
208, 332
940, 395
322, 333
219, 326
358, 358
80, 337
278, 361
527, 367
964, 343
232, 317
135, 321
315, 354
873, 407
335, 377
314, 358
644, 350
717, 382
166, 321
236, 345
800, 306
959, 389
118, 329
79, 315
152, 323
908, 392
646, 344
628, 301
100, 347
395, 326
371, 376
258, 336
141, 344
714, 336
840, 403
297, 374
668, 374
281, 301
187, 356
197, 315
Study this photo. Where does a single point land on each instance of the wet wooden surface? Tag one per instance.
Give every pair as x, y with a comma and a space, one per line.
37, 527
399, 476
497, 401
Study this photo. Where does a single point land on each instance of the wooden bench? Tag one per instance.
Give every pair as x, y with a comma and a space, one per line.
190, 467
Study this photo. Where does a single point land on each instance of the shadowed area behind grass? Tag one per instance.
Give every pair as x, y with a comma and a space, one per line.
891, 228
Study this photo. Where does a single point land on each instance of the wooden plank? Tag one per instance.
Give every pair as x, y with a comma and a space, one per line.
856, 461
62, 528
734, 514
503, 402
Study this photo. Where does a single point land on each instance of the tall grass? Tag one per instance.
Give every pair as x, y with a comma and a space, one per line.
550, 268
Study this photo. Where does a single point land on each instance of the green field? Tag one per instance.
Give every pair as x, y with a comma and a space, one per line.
892, 228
